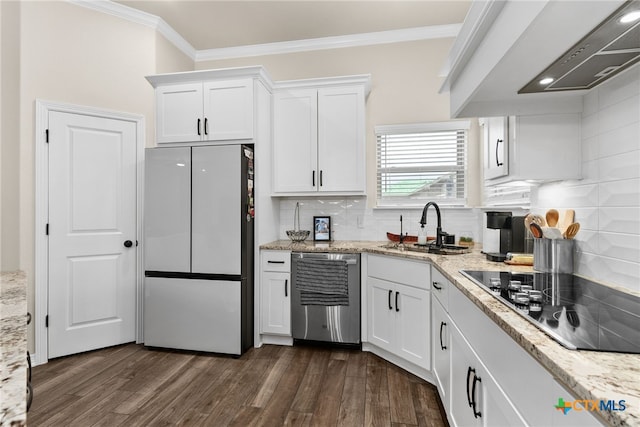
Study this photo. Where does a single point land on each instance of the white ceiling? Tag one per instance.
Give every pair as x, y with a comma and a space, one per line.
212, 24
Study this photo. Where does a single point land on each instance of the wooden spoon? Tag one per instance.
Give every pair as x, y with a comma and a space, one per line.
567, 219
552, 217
571, 230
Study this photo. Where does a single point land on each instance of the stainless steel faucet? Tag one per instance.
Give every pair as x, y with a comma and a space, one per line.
423, 221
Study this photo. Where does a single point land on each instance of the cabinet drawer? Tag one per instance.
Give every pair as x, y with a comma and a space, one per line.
440, 287
400, 270
276, 261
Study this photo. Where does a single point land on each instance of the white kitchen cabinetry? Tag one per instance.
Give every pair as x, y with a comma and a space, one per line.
205, 111
275, 284
510, 377
398, 308
540, 148
496, 160
476, 399
210, 105
441, 346
319, 136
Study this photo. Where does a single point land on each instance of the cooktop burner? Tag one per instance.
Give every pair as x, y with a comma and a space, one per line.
576, 312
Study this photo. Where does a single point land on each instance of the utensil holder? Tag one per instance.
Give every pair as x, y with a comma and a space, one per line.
553, 255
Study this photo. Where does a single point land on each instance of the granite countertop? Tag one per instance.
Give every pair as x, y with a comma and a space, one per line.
591, 375
13, 348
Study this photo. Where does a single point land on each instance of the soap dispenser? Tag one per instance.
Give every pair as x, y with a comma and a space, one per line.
422, 235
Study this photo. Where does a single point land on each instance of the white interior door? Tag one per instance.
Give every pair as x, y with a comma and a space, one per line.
92, 215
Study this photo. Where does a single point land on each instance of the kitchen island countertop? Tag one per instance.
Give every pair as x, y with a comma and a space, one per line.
13, 348
590, 375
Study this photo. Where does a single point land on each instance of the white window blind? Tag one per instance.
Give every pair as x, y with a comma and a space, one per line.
420, 163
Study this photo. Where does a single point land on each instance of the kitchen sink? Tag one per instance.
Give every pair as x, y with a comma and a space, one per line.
430, 248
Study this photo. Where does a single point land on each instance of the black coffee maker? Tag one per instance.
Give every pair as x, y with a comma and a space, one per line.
504, 233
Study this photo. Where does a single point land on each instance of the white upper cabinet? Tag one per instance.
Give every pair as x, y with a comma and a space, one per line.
319, 137
540, 148
496, 147
503, 45
208, 105
208, 111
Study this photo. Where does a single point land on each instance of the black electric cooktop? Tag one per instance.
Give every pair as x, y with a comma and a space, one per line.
576, 312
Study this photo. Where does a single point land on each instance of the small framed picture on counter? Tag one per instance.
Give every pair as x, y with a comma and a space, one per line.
322, 228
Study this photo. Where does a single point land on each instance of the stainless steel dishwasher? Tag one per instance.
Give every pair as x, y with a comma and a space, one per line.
333, 313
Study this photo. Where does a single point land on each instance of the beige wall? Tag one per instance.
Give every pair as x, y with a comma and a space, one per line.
75, 55
405, 82
169, 59
9, 135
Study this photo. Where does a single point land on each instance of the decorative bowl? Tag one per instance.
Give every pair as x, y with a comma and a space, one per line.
298, 235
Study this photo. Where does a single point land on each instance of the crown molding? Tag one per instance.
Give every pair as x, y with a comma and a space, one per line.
277, 48
336, 42
142, 18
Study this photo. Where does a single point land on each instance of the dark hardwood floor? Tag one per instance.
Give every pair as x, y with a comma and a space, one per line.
132, 385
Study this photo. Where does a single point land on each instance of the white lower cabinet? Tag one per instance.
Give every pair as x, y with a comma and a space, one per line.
275, 293
398, 314
441, 347
476, 399
511, 388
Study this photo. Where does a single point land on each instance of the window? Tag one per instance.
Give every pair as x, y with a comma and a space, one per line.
420, 163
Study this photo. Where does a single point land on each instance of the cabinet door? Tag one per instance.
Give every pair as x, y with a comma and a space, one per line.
276, 303
462, 360
179, 113
441, 345
496, 147
381, 324
476, 399
341, 139
228, 110
413, 317
295, 141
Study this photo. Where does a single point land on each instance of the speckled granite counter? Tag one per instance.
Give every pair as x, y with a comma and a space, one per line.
590, 375
13, 349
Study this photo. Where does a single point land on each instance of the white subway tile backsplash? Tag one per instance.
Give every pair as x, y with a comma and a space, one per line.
624, 86
625, 247
620, 115
607, 199
590, 148
620, 140
590, 103
624, 192
619, 220
590, 126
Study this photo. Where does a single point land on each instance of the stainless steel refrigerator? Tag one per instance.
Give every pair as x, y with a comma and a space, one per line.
198, 248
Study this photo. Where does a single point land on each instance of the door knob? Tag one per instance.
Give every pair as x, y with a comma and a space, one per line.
128, 243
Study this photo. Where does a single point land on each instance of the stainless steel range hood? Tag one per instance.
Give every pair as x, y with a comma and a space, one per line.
611, 47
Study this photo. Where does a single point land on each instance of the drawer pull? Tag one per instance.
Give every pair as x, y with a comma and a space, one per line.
437, 286
275, 262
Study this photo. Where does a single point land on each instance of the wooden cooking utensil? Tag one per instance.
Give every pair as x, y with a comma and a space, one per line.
552, 217
535, 230
571, 230
538, 219
567, 219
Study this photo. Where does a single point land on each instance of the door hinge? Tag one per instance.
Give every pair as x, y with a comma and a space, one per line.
46, 229
46, 321
46, 135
